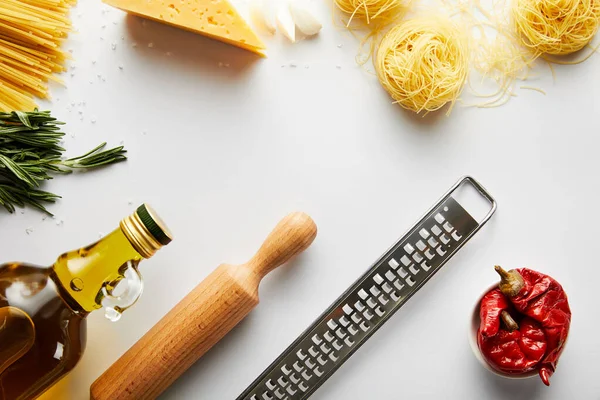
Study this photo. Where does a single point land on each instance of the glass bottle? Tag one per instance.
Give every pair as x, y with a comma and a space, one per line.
43, 310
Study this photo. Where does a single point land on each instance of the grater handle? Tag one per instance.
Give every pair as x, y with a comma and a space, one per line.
292, 235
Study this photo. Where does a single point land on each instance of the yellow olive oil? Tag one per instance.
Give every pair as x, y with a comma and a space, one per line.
43, 309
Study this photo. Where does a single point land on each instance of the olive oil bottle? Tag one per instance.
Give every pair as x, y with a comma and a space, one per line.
43, 310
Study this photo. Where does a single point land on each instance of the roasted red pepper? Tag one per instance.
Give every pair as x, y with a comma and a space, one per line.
539, 305
513, 347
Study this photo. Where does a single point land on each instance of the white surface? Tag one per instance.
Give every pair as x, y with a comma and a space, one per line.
223, 153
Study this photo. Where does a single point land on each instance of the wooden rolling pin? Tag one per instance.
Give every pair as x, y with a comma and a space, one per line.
201, 319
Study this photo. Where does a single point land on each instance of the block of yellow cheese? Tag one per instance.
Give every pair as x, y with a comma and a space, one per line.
217, 19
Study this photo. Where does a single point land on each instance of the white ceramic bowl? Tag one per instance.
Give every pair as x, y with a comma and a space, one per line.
473, 342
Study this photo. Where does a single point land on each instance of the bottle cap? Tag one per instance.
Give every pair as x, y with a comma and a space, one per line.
154, 224
146, 232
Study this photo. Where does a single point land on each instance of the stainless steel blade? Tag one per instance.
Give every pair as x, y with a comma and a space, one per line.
394, 278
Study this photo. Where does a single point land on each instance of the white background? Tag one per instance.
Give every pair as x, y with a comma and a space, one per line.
224, 152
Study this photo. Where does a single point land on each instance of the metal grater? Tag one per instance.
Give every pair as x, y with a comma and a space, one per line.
305, 365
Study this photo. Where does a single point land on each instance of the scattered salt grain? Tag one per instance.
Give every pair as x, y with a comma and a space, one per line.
113, 45
28, 231
293, 64
150, 44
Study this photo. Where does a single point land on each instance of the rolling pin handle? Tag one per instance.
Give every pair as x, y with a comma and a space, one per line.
292, 235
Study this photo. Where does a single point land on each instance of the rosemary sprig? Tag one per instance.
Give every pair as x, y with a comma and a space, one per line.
13, 195
30, 153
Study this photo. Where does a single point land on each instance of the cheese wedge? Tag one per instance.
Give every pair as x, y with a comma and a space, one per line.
216, 19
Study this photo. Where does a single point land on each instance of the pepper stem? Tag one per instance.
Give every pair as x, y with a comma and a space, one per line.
503, 274
510, 323
511, 282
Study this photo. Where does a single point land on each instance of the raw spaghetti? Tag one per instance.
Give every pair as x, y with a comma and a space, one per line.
498, 61
31, 33
423, 63
510, 36
556, 27
379, 12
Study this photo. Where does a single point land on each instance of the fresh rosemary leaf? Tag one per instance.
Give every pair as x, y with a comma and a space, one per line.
18, 171
96, 158
24, 119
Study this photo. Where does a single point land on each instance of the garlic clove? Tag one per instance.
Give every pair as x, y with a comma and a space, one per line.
262, 13
270, 11
304, 20
286, 23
